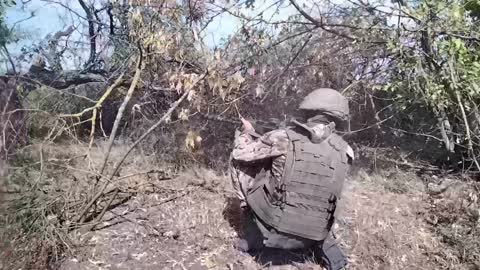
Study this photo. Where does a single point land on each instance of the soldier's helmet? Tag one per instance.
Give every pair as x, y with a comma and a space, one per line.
329, 102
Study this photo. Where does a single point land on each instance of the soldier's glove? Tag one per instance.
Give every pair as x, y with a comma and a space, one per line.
237, 133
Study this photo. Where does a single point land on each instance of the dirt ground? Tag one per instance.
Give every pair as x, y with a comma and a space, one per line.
190, 222
389, 220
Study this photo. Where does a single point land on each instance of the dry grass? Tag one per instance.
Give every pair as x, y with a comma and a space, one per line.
192, 223
46, 187
188, 224
455, 216
386, 230
190, 220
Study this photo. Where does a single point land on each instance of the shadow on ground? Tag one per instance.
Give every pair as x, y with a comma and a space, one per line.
266, 256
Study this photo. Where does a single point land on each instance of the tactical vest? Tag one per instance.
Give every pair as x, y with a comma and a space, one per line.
304, 202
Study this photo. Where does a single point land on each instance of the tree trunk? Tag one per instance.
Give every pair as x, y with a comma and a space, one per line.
446, 131
474, 123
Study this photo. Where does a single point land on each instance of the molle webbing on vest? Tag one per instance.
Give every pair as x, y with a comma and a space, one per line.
312, 180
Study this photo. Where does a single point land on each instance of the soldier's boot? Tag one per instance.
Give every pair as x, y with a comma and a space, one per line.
330, 254
252, 238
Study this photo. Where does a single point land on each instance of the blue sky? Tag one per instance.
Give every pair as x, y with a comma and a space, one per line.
51, 17
46, 20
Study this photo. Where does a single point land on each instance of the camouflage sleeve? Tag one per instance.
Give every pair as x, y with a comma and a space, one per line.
272, 144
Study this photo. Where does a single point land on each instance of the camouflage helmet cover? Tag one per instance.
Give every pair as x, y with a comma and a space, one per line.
328, 101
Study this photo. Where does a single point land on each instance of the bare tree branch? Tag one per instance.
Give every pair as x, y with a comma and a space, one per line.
320, 23
9, 57
52, 55
116, 124
91, 32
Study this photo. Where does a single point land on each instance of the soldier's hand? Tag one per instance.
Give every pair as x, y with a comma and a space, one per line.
247, 126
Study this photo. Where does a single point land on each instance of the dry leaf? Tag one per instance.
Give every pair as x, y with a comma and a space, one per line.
183, 115
259, 90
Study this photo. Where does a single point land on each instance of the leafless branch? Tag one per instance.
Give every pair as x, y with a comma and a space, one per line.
147, 133
20, 21
9, 57
136, 78
91, 31
320, 23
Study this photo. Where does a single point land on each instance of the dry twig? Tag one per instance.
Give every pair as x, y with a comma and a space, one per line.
112, 136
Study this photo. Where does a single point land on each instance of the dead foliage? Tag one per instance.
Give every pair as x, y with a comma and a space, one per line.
191, 220
156, 216
185, 224
386, 230
165, 218
12, 126
47, 186
454, 213
450, 202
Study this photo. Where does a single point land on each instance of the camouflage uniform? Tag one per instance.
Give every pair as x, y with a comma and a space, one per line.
246, 151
